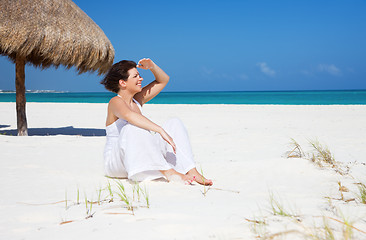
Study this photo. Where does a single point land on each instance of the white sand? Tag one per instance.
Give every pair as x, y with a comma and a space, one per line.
240, 147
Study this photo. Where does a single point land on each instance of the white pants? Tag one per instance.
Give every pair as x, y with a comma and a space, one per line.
139, 154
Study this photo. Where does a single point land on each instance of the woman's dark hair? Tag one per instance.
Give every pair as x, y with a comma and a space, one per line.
117, 72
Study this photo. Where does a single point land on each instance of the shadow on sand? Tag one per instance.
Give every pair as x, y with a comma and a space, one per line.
70, 130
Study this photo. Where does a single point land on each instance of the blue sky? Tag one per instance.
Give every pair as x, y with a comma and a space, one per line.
228, 45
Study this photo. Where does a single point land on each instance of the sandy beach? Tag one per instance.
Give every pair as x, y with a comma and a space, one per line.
46, 177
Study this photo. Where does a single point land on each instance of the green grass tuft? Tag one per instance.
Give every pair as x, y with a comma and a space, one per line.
321, 153
66, 199
205, 188
123, 196
258, 227
99, 194
109, 187
86, 206
146, 196
277, 207
362, 193
136, 190
78, 196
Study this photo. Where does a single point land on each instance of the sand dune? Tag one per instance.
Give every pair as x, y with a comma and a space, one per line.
242, 148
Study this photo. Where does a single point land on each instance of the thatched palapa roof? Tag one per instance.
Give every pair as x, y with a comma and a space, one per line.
53, 32
50, 32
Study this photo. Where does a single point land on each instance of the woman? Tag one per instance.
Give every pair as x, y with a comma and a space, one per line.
132, 150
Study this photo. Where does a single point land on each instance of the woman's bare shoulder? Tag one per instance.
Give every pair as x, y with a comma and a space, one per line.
115, 100
116, 104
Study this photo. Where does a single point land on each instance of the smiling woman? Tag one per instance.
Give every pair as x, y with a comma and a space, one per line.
131, 150
117, 72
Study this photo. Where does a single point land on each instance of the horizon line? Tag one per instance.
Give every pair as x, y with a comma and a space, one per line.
209, 91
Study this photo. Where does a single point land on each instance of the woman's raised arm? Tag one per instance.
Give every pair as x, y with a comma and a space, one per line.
154, 88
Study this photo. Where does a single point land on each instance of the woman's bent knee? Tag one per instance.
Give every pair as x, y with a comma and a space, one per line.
132, 129
133, 133
174, 122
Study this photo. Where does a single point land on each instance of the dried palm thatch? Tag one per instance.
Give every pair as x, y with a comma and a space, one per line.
50, 32
53, 32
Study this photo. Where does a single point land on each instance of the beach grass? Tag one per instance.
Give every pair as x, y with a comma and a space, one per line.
277, 207
331, 227
123, 195
90, 209
66, 199
109, 187
205, 188
296, 151
347, 230
99, 194
78, 196
324, 232
136, 189
361, 196
321, 154
121, 192
86, 205
145, 193
258, 227
146, 196
327, 230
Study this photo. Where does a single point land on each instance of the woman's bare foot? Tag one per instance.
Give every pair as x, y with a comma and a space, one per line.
174, 176
196, 176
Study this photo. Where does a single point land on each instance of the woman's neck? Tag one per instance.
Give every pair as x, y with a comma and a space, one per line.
126, 96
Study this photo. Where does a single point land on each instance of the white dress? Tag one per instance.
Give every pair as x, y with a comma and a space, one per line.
138, 154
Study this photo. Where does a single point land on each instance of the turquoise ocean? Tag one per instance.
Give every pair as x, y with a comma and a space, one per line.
345, 97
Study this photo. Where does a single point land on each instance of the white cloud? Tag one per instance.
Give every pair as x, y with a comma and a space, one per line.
329, 68
266, 70
351, 70
305, 72
243, 76
206, 71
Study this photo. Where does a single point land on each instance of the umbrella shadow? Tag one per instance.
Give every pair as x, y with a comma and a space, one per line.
70, 130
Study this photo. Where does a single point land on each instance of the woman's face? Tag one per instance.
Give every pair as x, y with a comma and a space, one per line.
133, 82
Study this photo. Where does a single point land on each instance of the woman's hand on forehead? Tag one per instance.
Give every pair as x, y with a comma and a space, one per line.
145, 63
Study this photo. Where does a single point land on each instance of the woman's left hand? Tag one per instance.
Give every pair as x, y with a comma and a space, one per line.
168, 139
146, 63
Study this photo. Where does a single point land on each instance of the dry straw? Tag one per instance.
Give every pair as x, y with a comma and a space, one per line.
50, 32
53, 32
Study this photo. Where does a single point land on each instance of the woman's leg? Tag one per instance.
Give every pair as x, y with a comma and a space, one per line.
196, 176
174, 176
183, 160
143, 158
140, 153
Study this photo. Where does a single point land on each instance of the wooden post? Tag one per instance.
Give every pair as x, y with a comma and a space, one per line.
20, 96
